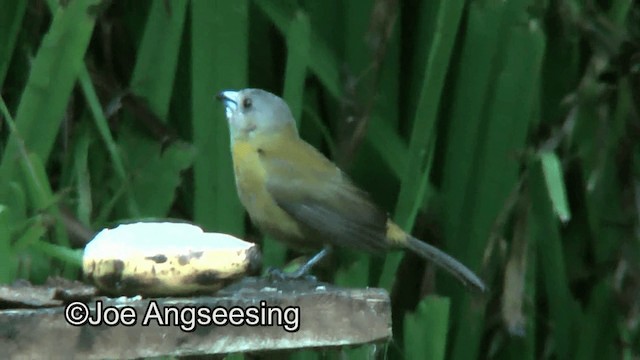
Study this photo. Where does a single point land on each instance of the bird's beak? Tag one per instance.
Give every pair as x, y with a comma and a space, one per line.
230, 100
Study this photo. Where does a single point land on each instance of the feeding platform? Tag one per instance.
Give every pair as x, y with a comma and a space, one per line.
269, 315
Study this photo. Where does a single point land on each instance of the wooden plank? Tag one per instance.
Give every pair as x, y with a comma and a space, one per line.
303, 314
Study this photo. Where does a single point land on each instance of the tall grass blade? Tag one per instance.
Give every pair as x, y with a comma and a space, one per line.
417, 172
10, 21
426, 329
53, 75
157, 56
219, 55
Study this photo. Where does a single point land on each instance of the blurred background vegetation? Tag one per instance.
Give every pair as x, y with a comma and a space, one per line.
504, 132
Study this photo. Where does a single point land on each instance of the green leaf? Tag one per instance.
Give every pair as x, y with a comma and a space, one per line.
598, 342
298, 44
31, 235
156, 171
63, 253
562, 308
53, 75
103, 129
8, 258
83, 178
418, 165
322, 61
219, 55
41, 196
355, 273
555, 185
425, 330
274, 253
484, 147
10, 20
157, 56
390, 145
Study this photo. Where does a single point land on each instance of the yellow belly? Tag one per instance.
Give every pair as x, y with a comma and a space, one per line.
251, 185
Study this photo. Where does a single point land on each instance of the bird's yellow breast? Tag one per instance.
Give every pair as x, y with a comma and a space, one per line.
251, 178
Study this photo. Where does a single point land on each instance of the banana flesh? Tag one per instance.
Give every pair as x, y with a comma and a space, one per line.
164, 259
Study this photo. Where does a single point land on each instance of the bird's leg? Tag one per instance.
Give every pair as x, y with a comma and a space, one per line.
303, 270
306, 267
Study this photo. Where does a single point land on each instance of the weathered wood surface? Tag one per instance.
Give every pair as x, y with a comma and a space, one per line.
328, 317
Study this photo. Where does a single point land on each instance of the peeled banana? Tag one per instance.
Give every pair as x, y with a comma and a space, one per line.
164, 258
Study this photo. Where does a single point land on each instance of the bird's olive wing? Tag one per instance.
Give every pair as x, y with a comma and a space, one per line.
317, 194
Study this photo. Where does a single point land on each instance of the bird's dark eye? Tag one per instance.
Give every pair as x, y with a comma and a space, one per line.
246, 103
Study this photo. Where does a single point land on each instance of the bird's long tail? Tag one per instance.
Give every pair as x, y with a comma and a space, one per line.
435, 255
445, 261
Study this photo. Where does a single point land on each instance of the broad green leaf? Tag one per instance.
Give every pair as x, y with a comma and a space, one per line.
219, 61
426, 329
156, 172
157, 56
298, 45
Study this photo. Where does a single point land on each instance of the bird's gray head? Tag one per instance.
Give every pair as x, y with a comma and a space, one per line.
253, 112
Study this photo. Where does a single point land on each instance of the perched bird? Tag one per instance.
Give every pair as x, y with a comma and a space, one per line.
297, 195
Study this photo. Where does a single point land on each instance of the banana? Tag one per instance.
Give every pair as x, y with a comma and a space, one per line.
164, 259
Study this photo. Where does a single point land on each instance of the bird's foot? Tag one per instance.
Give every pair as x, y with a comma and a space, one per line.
302, 272
276, 274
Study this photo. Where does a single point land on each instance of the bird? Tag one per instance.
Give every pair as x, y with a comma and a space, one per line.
295, 194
